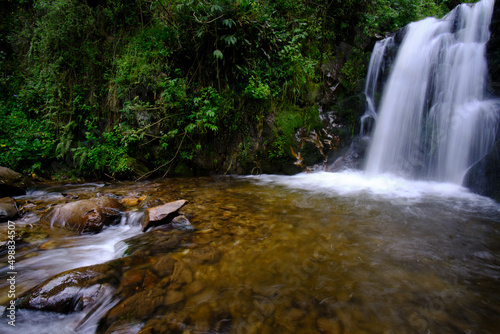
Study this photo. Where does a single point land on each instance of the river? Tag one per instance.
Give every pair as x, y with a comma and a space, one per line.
311, 253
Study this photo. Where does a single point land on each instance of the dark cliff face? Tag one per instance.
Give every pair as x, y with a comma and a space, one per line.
484, 177
493, 52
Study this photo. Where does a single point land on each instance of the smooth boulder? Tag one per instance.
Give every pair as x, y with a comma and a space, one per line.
8, 209
12, 183
162, 214
89, 215
73, 290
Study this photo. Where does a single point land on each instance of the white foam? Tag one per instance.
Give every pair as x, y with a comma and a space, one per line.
354, 183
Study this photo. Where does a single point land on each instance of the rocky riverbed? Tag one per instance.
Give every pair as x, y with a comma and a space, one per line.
250, 255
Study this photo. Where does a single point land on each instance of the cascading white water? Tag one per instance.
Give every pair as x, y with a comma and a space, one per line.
433, 120
376, 67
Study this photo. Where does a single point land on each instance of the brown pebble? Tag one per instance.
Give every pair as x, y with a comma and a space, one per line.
329, 326
181, 274
173, 297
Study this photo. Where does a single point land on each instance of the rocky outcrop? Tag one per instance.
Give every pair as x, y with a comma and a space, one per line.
162, 214
85, 215
484, 177
12, 183
352, 158
493, 52
8, 209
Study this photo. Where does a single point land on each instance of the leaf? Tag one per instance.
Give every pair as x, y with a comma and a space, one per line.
229, 39
218, 54
228, 22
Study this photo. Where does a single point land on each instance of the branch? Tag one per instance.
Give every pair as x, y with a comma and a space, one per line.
154, 170
206, 22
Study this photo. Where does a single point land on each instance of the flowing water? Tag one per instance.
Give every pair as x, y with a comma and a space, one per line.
322, 252
310, 253
433, 120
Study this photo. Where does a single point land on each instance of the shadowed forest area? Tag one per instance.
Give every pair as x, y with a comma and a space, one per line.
132, 89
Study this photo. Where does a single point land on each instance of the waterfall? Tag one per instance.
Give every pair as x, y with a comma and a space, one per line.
378, 65
434, 119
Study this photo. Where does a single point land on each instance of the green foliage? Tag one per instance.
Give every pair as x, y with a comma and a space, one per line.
106, 151
288, 123
165, 82
389, 15
354, 69
25, 143
206, 108
257, 89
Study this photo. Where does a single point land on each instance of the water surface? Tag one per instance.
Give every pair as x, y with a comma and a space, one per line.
310, 253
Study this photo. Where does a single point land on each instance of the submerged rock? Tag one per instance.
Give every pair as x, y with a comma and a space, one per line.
162, 214
154, 242
180, 223
8, 209
85, 215
12, 183
137, 306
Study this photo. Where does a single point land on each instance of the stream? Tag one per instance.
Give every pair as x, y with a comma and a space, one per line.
311, 253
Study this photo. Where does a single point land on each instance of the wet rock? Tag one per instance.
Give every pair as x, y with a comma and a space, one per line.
206, 231
8, 209
162, 214
132, 201
169, 323
229, 207
329, 326
483, 178
138, 306
128, 201
69, 196
193, 288
154, 242
13, 183
352, 158
147, 330
182, 274
150, 279
51, 244
493, 52
205, 296
85, 215
206, 255
173, 297
178, 223
296, 314
72, 290
131, 281
124, 327
164, 267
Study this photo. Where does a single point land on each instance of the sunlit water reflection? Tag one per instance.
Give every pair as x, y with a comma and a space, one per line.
311, 253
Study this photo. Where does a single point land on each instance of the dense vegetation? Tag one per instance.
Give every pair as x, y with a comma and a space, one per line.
152, 87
